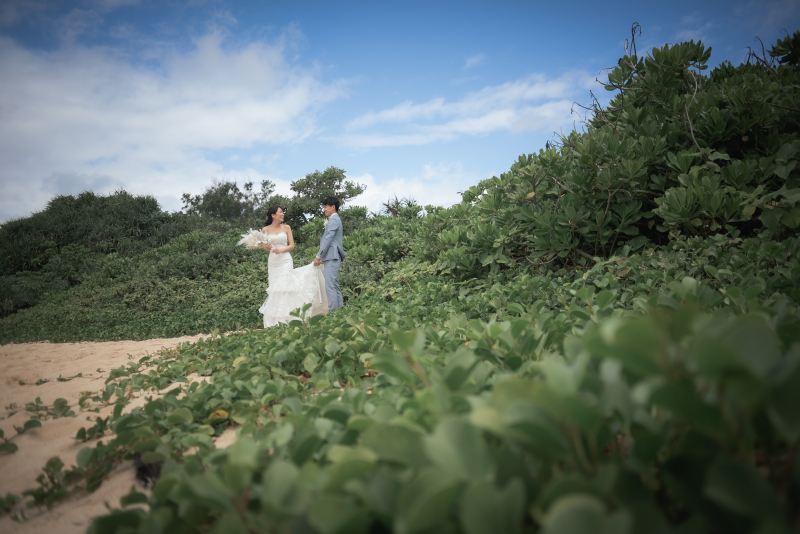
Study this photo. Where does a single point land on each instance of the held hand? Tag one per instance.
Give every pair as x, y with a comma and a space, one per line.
317, 262
277, 250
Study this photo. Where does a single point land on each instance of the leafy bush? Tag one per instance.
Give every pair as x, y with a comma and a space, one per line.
66, 242
675, 152
120, 223
224, 200
657, 411
354, 218
27, 289
310, 191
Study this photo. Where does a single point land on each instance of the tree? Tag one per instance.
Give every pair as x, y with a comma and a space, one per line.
311, 190
224, 200
397, 206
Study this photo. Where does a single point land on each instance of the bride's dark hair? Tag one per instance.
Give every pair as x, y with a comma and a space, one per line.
270, 212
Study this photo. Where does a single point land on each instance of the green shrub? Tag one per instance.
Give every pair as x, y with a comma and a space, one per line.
676, 152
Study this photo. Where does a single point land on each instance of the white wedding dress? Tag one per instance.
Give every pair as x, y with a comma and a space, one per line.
289, 288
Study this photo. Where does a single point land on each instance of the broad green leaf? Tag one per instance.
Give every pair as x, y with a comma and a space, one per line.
458, 449
310, 362
425, 503
8, 447
486, 509
633, 342
359, 423
604, 298
216, 417
348, 463
685, 404
580, 513
791, 217
32, 423
393, 364
783, 405
151, 457
83, 456
133, 497
753, 291
212, 490
563, 486
229, 523
277, 489
585, 293
338, 514
411, 341
117, 521
741, 489
395, 443
515, 308
746, 343
458, 369
243, 451
304, 445
280, 437
180, 416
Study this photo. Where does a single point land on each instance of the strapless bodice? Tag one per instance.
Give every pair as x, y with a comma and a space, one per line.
280, 239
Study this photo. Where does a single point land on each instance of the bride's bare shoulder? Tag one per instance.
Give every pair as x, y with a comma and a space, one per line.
286, 228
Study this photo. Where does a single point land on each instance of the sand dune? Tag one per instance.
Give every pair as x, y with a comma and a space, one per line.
30, 362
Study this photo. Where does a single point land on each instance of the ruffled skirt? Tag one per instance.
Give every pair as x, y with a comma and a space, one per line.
290, 289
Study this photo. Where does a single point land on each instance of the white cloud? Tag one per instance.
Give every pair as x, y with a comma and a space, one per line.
437, 184
464, 79
475, 60
693, 30
82, 115
511, 107
13, 11
769, 15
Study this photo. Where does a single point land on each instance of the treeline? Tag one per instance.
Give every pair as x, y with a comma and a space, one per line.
75, 237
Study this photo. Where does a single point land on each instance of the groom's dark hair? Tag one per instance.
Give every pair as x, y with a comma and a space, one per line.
331, 201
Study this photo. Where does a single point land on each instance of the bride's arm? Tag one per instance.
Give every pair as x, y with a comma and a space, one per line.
290, 239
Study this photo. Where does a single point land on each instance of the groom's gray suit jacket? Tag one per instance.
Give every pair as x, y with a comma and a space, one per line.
330, 245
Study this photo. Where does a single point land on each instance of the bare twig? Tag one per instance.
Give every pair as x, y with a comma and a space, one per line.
691, 131
600, 226
585, 255
561, 185
776, 105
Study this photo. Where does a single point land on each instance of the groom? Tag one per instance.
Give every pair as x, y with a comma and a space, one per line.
331, 252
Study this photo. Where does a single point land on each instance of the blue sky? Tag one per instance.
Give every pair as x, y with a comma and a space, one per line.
413, 99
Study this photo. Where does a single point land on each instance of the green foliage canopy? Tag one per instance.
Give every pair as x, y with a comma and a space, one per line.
306, 203
224, 200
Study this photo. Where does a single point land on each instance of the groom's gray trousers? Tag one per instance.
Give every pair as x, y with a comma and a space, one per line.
332, 288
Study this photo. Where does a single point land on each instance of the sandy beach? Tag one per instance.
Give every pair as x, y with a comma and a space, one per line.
31, 362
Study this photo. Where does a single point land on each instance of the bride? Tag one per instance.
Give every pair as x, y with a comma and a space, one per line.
289, 288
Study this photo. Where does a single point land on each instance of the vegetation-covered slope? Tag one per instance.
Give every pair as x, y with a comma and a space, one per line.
605, 338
